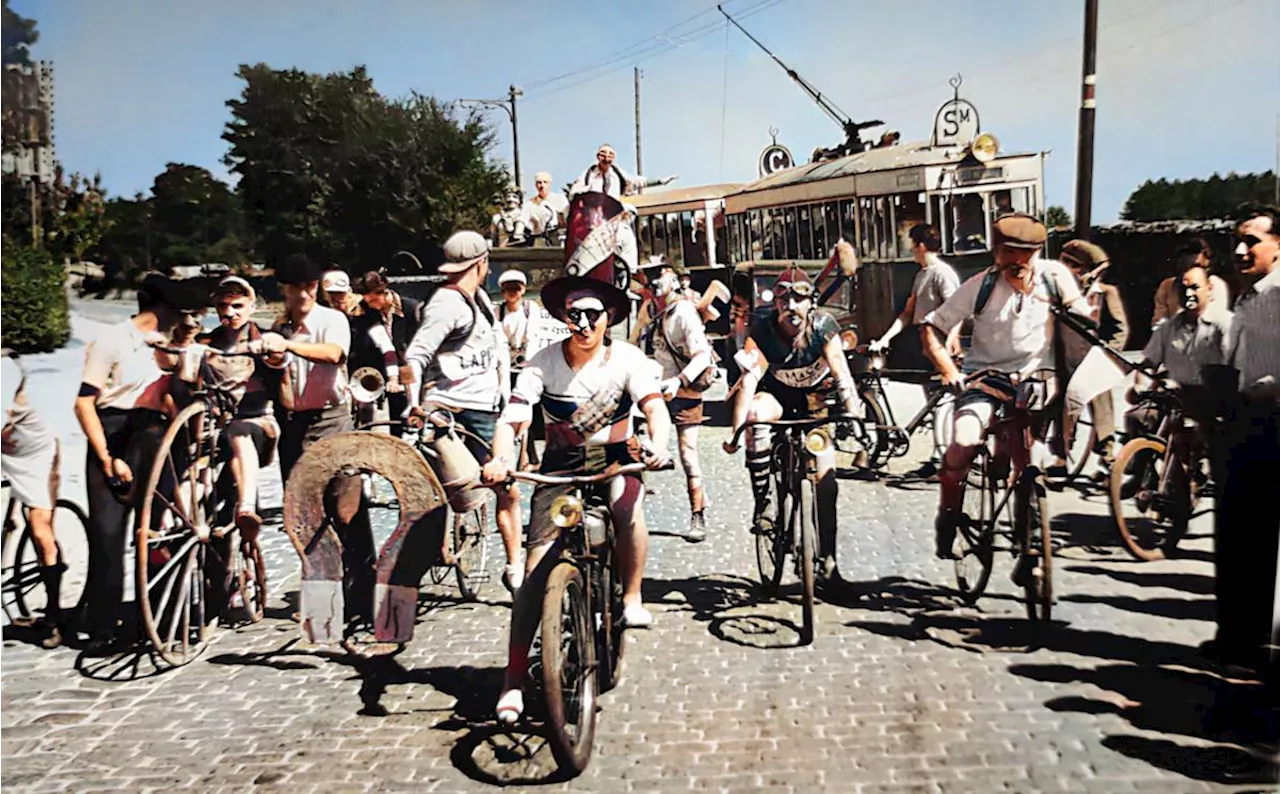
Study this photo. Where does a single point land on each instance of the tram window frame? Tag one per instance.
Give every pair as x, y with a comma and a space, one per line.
693, 250
848, 220
675, 252
717, 226
775, 234
884, 228
903, 222
756, 237
821, 244
646, 236
831, 216
1025, 206
983, 212
788, 215
659, 232
867, 227
734, 226
804, 232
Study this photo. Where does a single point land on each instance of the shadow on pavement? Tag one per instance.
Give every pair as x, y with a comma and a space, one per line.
1175, 608
1216, 764
1201, 584
719, 600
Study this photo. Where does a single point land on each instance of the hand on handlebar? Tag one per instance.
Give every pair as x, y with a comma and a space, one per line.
877, 346
394, 387
953, 380
415, 418
653, 458
495, 472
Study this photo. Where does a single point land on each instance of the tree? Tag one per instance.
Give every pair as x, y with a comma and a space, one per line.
1197, 199
125, 250
36, 316
18, 34
75, 216
193, 215
1057, 217
329, 166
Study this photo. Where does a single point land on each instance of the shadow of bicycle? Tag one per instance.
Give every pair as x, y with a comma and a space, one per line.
736, 610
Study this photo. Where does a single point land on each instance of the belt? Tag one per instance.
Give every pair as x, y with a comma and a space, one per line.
134, 413
316, 413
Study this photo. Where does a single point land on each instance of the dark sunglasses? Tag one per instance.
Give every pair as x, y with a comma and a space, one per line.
512, 286
576, 316
1250, 240
803, 289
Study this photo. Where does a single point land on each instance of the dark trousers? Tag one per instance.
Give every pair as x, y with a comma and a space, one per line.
298, 431
1247, 531
132, 436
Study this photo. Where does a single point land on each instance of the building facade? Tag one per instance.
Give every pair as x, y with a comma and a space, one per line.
28, 121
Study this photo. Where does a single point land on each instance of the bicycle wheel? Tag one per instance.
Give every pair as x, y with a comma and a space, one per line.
879, 445
1031, 522
771, 536
250, 578
805, 514
180, 515
471, 550
1149, 516
975, 532
568, 668
1079, 452
23, 590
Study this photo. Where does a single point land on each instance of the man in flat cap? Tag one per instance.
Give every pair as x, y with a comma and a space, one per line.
1097, 372
1010, 305
462, 357
312, 342
121, 411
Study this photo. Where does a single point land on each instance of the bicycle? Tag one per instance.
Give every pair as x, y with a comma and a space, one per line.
789, 523
582, 628
1005, 498
187, 523
23, 591
1159, 477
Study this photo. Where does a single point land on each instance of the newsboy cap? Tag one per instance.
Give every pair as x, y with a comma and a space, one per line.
1083, 255
462, 250
1017, 230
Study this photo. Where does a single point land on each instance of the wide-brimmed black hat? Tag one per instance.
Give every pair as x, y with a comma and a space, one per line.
183, 295
592, 259
298, 269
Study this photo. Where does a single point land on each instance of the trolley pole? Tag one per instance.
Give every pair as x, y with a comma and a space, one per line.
1084, 150
639, 165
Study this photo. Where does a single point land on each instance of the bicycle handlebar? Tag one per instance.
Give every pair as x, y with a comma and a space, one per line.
177, 351
585, 479
810, 422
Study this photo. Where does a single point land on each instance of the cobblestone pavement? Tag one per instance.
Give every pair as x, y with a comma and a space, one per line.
902, 689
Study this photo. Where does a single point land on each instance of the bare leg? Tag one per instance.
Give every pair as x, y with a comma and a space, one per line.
508, 520
41, 523
526, 613
244, 465
687, 443
626, 496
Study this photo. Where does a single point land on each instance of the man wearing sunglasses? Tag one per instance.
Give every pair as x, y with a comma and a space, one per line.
791, 356
1247, 527
587, 387
1011, 305
461, 358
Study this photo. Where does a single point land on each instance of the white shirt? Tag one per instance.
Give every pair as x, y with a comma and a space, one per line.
1185, 344
462, 350
121, 365
1013, 333
595, 181
1254, 345
546, 214
591, 406
313, 385
682, 328
933, 285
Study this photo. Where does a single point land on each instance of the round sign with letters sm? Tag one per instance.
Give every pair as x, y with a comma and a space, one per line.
775, 157
955, 123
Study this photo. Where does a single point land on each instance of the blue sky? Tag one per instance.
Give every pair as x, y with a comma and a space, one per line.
1183, 86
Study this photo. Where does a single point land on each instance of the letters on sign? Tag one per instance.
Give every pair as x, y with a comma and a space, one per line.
956, 122
775, 158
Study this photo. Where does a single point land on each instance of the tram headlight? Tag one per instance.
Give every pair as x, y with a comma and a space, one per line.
984, 147
817, 442
566, 511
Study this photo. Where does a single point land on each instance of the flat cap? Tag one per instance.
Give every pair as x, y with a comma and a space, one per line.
512, 275
462, 250
298, 269
1083, 255
336, 281
1017, 230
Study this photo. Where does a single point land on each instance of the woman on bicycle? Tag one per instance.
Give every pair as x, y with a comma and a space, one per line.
587, 386
30, 464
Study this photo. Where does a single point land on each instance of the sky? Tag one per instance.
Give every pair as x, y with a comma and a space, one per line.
1182, 85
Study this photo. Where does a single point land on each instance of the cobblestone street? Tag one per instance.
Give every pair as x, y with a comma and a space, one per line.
903, 689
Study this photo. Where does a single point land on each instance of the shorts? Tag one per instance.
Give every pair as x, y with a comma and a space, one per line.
578, 460
262, 431
33, 475
480, 427
982, 405
685, 411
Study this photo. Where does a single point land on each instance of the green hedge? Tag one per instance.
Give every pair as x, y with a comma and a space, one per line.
34, 316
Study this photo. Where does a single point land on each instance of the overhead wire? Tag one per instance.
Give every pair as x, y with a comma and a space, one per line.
724, 96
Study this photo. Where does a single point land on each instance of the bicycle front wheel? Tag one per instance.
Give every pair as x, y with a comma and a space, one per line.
23, 589
1150, 498
568, 668
770, 532
975, 532
806, 520
1031, 511
471, 549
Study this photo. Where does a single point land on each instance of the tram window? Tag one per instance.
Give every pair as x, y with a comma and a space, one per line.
720, 228
735, 238
693, 243
756, 236
884, 228
970, 226
831, 210
820, 244
788, 215
659, 234
848, 221
908, 211
867, 220
675, 245
804, 233
1016, 199
646, 237
775, 246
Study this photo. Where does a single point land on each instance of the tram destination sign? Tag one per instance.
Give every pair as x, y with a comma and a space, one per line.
956, 122
774, 158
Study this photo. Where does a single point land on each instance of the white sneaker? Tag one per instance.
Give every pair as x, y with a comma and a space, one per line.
510, 706
512, 578
635, 616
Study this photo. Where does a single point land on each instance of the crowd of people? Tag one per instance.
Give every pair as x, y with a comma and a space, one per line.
517, 370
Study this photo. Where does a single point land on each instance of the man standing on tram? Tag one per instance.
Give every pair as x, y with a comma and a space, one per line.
605, 177
934, 284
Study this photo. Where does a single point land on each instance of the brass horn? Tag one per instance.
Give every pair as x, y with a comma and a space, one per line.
368, 385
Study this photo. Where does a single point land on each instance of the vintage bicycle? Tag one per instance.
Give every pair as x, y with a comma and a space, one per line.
193, 567
1005, 504
581, 639
789, 524
23, 592
1157, 480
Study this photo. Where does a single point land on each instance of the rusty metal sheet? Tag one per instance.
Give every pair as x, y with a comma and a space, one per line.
418, 492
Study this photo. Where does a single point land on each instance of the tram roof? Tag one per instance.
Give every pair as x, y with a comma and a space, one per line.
889, 158
685, 195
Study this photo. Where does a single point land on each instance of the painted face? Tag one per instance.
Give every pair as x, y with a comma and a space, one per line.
665, 284
301, 298
544, 186
1195, 289
587, 318
794, 306
234, 311
604, 157
1257, 246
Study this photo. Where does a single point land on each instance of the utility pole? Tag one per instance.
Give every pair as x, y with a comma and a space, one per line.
639, 161
507, 105
1084, 150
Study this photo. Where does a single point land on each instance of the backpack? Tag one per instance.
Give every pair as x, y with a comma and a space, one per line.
989, 284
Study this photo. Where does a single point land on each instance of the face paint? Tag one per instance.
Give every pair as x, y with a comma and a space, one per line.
665, 284
583, 313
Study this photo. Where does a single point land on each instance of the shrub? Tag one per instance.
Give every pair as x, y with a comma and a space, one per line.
34, 316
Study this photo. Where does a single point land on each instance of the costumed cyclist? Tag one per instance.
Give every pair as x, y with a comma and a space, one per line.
790, 360
587, 386
681, 347
1011, 306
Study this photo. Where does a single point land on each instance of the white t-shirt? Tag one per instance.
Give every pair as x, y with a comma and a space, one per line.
682, 327
932, 286
1013, 333
591, 406
122, 366
315, 385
